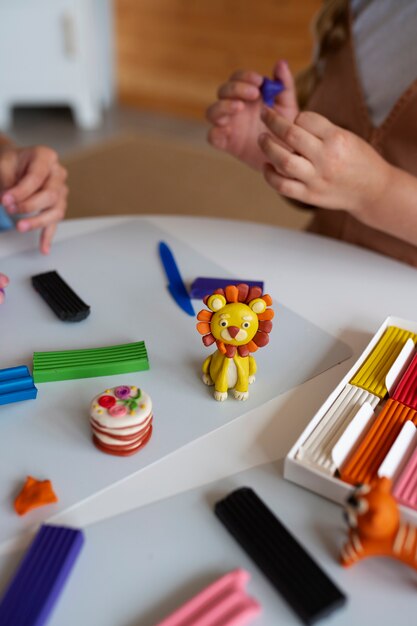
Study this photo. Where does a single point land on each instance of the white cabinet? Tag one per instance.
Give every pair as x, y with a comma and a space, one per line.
56, 52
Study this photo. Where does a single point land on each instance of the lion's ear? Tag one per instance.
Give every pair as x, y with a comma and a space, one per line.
216, 302
257, 305
383, 484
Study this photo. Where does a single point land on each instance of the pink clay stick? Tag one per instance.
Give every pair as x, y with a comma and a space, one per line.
223, 603
405, 489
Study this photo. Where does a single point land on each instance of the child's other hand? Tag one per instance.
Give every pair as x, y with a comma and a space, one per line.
316, 162
4, 281
33, 181
235, 117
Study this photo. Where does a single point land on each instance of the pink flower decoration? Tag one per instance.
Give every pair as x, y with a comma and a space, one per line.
122, 392
118, 410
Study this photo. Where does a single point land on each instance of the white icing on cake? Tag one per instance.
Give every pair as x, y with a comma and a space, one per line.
116, 442
135, 417
121, 432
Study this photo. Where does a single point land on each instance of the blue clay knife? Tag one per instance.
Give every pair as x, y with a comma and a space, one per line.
176, 285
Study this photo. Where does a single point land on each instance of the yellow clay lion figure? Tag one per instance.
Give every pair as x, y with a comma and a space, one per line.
239, 322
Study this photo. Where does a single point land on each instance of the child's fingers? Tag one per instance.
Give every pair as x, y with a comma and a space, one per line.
8, 167
35, 165
238, 90
47, 234
46, 217
4, 281
282, 71
223, 121
287, 97
315, 124
39, 201
218, 137
247, 76
287, 163
285, 186
31, 182
223, 108
292, 135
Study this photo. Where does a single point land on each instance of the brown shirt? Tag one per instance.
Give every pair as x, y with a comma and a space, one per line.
339, 97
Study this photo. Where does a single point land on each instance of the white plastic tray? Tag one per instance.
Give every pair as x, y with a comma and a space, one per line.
315, 479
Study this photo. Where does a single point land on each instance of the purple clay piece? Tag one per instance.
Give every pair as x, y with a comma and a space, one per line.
202, 286
41, 577
270, 89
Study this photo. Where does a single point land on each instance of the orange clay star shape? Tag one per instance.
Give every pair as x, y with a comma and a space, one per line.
34, 493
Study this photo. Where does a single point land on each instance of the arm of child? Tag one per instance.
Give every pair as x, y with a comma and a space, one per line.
235, 116
33, 181
313, 161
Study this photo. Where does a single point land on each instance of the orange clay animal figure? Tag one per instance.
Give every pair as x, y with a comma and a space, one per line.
375, 528
239, 322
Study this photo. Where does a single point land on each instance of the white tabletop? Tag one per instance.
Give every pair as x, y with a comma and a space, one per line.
343, 289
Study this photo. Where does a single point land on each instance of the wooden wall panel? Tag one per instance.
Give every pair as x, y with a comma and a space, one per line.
173, 54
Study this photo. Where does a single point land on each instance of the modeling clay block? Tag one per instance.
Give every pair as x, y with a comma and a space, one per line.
238, 322
372, 373
362, 465
60, 297
317, 448
202, 287
88, 363
176, 286
6, 222
375, 527
121, 420
224, 603
405, 488
35, 493
270, 89
16, 384
406, 389
290, 569
400, 451
41, 576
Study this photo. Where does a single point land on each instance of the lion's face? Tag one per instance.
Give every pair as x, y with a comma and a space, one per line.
235, 324
238, 319
372, 509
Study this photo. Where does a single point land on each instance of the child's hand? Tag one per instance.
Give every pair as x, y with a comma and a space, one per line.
236, 114
322, 164
4, 281
33, 181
